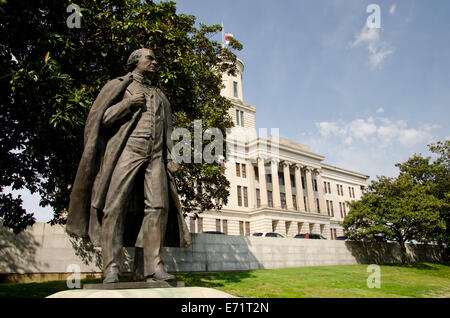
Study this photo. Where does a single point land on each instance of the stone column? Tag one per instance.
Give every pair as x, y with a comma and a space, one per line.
323, 208
287, 186
310, 190
275, 184
262, 183
298, 186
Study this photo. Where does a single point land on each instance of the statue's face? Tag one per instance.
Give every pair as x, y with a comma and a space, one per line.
147, 63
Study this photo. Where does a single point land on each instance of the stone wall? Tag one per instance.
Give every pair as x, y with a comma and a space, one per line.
48, 249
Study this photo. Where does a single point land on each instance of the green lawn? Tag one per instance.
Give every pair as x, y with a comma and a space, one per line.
418, 280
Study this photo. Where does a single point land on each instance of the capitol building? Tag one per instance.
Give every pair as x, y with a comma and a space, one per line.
276, 185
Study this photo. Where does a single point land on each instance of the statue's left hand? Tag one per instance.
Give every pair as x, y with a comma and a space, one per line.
173, 166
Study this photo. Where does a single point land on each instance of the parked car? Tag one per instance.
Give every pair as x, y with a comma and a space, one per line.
310, 236
268, 234
342, 238
214, 232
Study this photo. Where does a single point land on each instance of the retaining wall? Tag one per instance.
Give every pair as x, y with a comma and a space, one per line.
45, 249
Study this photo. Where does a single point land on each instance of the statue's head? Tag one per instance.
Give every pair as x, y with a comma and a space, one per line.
142, 61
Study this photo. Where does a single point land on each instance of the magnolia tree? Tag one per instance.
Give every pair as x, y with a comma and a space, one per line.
55, 57
412, 207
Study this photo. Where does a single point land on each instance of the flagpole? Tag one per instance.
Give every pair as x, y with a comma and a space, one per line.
223, 37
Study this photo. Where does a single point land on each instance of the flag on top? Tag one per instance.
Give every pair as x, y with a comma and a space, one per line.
228, 35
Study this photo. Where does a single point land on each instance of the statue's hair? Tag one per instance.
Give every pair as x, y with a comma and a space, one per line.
134, 59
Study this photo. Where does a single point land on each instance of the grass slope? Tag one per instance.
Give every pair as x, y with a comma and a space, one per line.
417, 281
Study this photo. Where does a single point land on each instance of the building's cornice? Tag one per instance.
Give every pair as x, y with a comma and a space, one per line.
239, 103
345, 171
277, 212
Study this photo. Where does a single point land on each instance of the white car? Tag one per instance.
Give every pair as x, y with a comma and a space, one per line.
268, 234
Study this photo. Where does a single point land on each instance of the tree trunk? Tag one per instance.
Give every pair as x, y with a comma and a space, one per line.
404, 256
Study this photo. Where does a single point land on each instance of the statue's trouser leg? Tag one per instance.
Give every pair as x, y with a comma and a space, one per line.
155, 215
121, 186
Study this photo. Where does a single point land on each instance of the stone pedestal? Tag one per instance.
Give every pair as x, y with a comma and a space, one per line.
135, 285
179, 292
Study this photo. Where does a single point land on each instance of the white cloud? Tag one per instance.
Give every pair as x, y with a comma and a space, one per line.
361, 129
371, 145
370, 35
378, 54
393, 8
380, 130
380, 110
377, 48
326, 128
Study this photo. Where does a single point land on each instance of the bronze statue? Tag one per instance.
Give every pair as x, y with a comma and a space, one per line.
124, 192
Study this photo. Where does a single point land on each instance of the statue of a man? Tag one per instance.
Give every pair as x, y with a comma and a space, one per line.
124, 192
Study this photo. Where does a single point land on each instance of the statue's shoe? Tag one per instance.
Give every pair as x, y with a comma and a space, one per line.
111, 276
160, 275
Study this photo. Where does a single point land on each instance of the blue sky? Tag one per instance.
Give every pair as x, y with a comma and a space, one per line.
363, 98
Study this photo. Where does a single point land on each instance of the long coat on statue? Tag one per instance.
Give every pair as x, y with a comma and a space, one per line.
91, 183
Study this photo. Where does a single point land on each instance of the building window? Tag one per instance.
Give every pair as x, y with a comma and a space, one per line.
337, 187
218, 225
304, 201
235, 89
245, 196
294, 201
340, 209
303, 182
258, 198
244, 170
342, 190
281, 178
283, 200
353, 192
239, 195
345, 212
299, 227
241, 227
332, 209
269, 199
328, 207
329, 188
247, 228
331, 234
287, 226
325, 187
256, 173
292, 177
274, 225
225, 226
315, 184
238, 169
239, 118
318, 205
192, 224
200, 225
268, 178
350, 192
